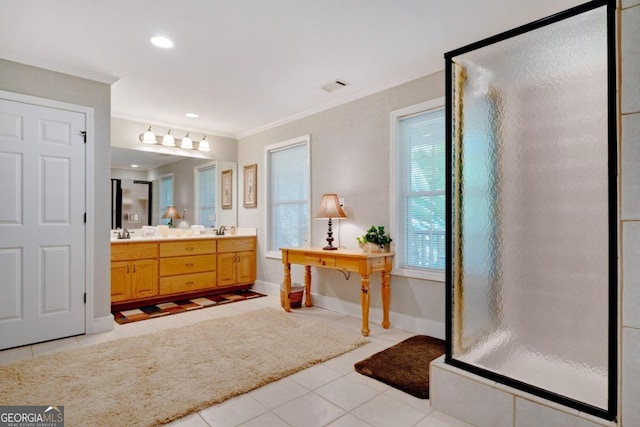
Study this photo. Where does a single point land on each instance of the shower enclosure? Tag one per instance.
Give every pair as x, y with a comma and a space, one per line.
531, 276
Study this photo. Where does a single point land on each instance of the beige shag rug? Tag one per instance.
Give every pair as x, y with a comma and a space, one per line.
153, 379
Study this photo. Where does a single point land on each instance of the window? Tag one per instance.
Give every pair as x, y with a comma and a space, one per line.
205, 193
287, 194
418, 190
166, 196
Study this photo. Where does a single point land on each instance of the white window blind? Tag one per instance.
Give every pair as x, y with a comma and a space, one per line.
288, 195
421, 158
206, 197
166, 196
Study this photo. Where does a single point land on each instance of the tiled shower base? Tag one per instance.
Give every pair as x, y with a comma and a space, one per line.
482, 402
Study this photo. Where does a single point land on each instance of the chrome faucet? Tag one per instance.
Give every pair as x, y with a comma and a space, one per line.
220, 231
124, 234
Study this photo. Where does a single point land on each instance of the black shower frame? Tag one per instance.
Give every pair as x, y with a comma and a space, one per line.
611, 411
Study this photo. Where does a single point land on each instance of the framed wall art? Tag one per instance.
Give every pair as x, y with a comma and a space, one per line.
250, 193
227, 189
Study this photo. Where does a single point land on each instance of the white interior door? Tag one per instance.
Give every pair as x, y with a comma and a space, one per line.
42, 232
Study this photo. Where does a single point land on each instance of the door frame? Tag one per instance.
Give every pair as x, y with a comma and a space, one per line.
89, 197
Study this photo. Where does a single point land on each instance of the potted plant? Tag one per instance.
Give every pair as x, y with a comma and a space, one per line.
375, 240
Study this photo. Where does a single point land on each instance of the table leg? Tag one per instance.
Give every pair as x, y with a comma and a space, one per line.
364, 302
386, 297
307, 286
287, 286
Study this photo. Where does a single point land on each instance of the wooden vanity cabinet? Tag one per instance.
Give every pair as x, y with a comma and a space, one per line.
187, 266
134, 271
236, 261
152, 272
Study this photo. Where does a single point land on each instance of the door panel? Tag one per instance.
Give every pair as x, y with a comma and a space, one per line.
145, 278
11, 188
11, 284
55, 173
55, 276
42, 233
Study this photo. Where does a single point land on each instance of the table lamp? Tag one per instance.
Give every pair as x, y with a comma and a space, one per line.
171, 213
330, 208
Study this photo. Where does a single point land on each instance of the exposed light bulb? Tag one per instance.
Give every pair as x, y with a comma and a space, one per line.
168, 140
186, 143
204, 144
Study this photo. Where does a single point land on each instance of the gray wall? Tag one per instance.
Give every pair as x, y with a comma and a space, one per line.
350, 152
19, 78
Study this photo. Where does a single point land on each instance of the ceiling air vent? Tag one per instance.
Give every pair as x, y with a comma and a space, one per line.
334, 85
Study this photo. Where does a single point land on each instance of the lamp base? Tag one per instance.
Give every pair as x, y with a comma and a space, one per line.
330, 248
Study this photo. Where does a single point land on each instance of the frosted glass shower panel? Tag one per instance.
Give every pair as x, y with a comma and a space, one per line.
531, 208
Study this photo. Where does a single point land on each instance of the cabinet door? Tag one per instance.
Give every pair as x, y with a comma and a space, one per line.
227, 269
144, 278
120, 283
245, 267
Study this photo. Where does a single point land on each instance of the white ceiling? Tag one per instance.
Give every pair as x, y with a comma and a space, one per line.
245, 65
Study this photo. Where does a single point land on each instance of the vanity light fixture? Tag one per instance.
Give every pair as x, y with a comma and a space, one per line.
149, 137
186, 143
204, 144
168, 140
192, 115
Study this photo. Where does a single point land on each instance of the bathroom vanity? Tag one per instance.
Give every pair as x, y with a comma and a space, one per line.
160, 269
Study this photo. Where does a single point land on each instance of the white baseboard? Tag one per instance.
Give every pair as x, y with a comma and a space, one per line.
402, 321
101, 324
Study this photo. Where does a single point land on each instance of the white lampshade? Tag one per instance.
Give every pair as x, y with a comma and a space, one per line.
204, 144
168, 140
186, 143
149, 137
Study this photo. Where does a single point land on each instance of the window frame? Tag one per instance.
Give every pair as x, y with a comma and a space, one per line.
290, 143
396, 209
196, 191
173, 193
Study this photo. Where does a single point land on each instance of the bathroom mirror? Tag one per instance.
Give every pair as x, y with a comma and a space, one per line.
154, 166
131, 202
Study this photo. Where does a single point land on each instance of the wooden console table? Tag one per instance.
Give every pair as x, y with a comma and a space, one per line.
346, 260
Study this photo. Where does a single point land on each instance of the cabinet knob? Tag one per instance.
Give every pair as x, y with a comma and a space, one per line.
189, 264
189, 283
190, 248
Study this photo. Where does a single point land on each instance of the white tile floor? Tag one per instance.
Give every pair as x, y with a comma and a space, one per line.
327, 394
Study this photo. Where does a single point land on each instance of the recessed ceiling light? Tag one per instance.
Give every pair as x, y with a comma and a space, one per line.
192, 115
135, 166
162, 42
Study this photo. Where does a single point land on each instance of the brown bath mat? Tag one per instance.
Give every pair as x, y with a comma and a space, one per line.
404, 366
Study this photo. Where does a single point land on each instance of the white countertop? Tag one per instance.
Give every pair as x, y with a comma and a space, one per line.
136, 235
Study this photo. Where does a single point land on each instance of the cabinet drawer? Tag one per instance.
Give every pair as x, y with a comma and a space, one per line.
349, 264
187, 283
312, 259
187, 264
190, 247
236, 245
128, 251
377, 264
